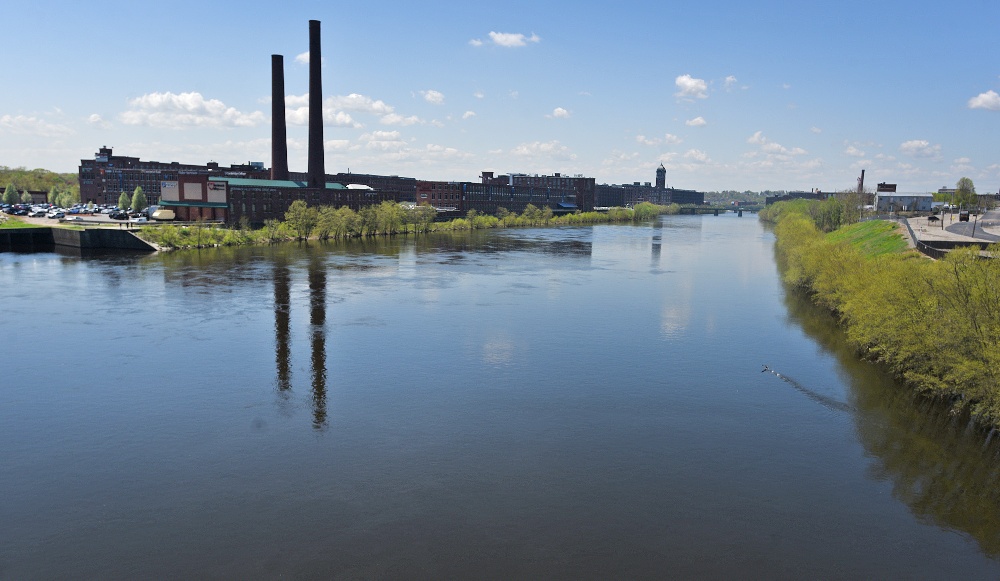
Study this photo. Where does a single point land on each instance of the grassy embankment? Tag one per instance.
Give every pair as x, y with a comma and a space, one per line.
934, 323
14, 223
386, 219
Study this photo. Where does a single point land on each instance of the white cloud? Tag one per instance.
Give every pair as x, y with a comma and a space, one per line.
920, 148
962, 165
816, 130
479, 95
397, 119
668, 139
476, 42
552, 149
696, 122
854, 151
696, 155
514, 94
23, 125
433, 97
468, 114
383, 140
560, 113
95, 119
772, 148
297, 110
510, 39
304, 59
336, 108
691, 88
338, 119
730, 82
176, 111
989, 100
357, 103
442, 152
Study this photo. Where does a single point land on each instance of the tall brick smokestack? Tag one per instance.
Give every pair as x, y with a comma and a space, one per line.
317, 170
279, 133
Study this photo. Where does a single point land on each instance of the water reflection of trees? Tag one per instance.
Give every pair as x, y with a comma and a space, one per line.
564, 242
939, 465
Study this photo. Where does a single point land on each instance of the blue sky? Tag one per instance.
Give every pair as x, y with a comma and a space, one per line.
727, 95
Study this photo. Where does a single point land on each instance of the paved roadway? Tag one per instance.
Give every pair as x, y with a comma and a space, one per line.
976, 228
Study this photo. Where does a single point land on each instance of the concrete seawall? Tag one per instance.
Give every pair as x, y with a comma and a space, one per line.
46, 239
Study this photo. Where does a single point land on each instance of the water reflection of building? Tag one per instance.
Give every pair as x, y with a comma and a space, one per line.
282, 316
317, 328
317, 333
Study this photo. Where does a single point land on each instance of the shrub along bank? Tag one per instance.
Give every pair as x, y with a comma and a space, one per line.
386, 219
936, 324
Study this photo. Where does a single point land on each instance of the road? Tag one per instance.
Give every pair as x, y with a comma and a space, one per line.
976, 228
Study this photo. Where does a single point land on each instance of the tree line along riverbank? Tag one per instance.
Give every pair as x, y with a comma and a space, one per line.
386, 219
934, 323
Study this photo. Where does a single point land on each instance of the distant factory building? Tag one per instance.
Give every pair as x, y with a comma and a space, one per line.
251, 191
106, 176
609, 195
788, 196
513, 192
901, 202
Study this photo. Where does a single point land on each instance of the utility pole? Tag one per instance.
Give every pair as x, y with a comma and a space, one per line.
861, 196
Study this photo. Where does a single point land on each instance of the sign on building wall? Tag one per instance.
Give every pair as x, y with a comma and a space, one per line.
192, 191
217, 192
169, 191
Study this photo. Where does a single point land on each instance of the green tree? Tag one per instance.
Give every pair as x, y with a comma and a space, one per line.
301, 219
531, 214
53, 195
124, 201
139, 202
66, 199
10, 195
965, 193
424, 216
25, 197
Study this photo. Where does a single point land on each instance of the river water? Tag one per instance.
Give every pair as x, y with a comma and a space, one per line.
550, 403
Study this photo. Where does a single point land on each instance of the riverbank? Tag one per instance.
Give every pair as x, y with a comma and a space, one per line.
387, 219
934, 323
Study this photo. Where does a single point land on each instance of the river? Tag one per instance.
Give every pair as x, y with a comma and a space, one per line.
530, 403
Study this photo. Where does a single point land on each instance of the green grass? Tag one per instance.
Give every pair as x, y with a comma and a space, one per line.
874, 237
12, 223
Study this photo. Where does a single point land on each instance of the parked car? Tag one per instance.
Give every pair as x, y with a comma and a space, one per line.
55, 215
118, 216
140, 220
963, 216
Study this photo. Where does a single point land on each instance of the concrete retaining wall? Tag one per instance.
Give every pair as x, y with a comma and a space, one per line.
45, 239
99, 239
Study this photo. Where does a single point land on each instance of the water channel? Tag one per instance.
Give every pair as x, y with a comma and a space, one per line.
536, 403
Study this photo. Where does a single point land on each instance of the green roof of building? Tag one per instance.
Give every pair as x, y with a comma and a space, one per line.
272, 183
193, 204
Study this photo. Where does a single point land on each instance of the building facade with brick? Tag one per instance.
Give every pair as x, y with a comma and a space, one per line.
106, 176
